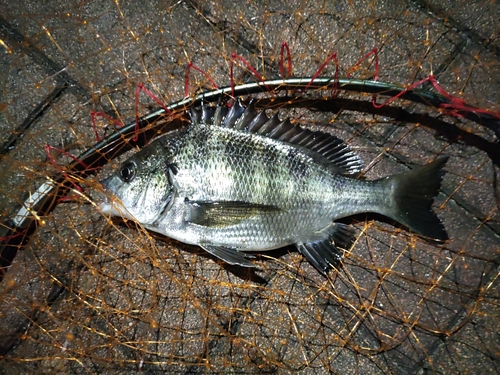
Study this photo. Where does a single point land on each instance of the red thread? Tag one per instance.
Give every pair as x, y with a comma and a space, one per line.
456, 104
454, 101
8, 238
374, 52
186, 84
140, 87
235, 56
93, 115
48, 148
335, 90
284, 46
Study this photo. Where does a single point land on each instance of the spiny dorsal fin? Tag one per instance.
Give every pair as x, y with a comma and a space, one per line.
250, 120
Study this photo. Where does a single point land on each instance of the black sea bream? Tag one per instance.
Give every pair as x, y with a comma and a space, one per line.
235, 181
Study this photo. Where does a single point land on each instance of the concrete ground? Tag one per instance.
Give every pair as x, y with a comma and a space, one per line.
91, 295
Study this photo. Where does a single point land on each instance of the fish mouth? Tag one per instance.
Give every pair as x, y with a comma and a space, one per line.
112, 208
115, 208
109, 204
105, 206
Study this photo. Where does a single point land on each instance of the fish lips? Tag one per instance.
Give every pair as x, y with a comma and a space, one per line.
105, 207
111, 205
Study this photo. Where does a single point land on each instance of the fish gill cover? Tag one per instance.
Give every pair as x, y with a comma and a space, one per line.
88, 294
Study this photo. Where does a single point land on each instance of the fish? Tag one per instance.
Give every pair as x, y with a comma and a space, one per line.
235, 181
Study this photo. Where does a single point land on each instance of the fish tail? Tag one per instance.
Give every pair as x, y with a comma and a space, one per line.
413, 195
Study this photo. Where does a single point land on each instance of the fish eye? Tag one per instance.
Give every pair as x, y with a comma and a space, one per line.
128, 172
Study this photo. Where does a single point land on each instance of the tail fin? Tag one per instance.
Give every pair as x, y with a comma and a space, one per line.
414, 192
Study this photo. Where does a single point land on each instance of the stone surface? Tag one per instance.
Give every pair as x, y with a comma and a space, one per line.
90, 295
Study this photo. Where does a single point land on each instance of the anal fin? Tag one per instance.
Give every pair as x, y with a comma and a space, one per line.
230, 255
324, 250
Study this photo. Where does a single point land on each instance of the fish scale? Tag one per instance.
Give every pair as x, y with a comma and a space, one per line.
249, 167
236, 180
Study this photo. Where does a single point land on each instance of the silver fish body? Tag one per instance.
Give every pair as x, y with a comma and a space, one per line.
235, 181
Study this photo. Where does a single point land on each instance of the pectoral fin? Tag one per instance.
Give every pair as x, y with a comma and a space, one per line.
322, 251
225, 213
229, 255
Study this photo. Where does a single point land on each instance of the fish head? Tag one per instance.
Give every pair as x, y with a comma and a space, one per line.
140, 189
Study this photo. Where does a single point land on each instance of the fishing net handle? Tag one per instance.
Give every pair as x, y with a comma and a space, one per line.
22, 226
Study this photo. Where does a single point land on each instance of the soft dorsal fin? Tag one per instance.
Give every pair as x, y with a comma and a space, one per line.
250, 120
